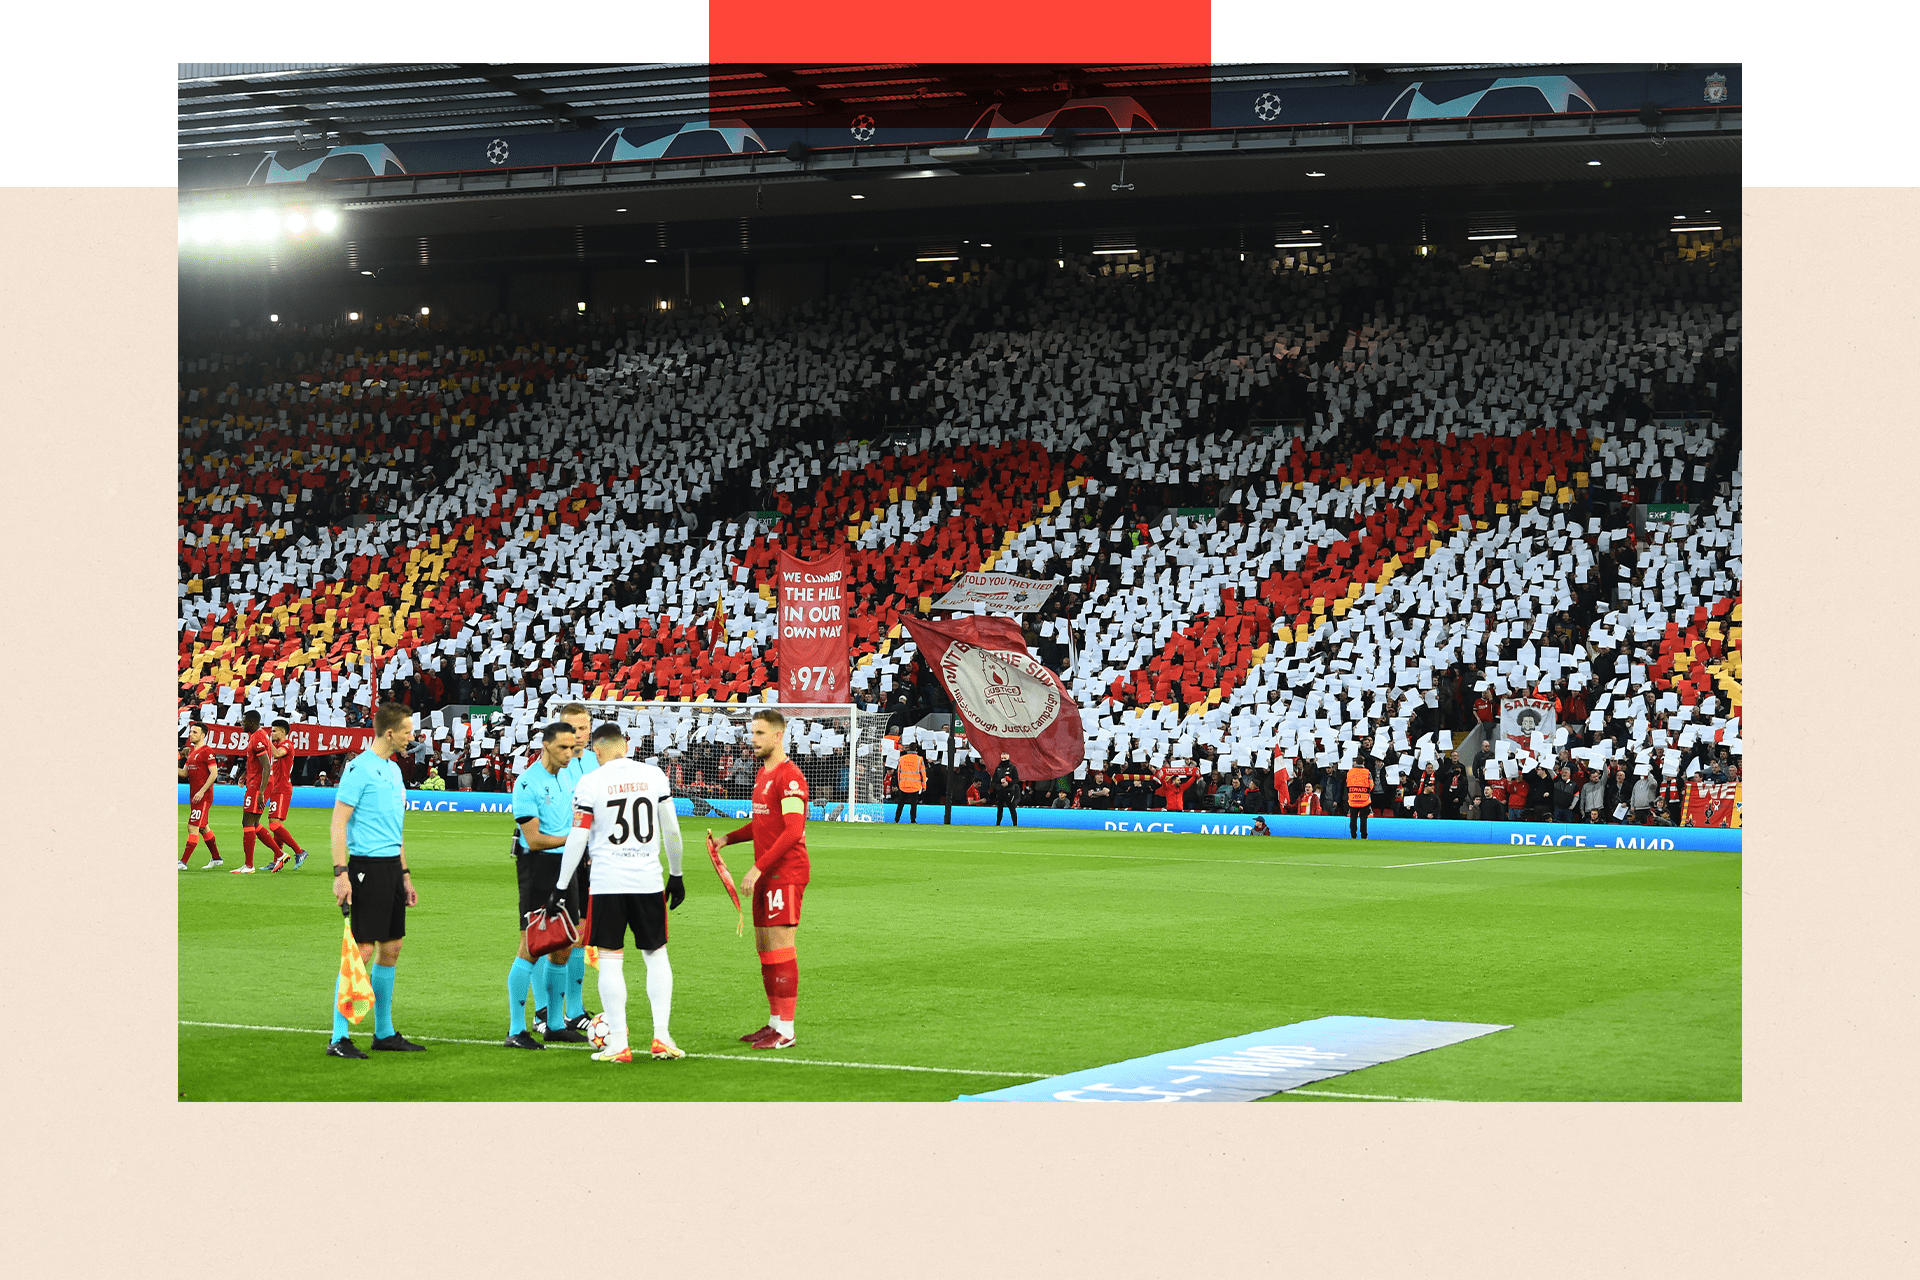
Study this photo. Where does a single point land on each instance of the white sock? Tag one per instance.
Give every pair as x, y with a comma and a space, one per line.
613, 997
783, 1025
660, 991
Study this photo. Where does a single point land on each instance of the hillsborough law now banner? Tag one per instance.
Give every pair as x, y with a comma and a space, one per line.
1010, 702
813, 629
999, 592
305, 739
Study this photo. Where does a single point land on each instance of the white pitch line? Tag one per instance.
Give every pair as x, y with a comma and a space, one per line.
1148, 857
1492, 857
729, 1057
1369, 1097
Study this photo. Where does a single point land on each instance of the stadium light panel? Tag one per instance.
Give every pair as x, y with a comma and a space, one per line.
653, 259
1593, 164
1296, 244
205, 229
1711, 226
274, 318
952, 258
986, 244
1495, 235
663, 304
423, 311
858, 196
744, 300
366, 273
1079, 184
1315, 173
579, 306
353, 315
1113, 251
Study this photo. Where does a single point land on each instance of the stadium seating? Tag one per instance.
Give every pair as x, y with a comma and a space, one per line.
1402, 468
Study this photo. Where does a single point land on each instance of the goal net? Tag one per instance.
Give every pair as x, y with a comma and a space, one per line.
706, 751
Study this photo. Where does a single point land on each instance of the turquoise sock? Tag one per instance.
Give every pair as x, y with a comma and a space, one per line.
556, 997
341, 1027
519, 978
382, 978
576, 982
541, 969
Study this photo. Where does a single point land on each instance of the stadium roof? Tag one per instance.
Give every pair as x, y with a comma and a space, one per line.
234, 108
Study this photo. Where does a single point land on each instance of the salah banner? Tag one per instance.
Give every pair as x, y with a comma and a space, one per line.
1009, 701
813, 629
1523, 718
1713, 804
999, 592
305, 739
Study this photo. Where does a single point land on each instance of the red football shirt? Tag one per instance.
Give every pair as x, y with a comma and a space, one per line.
261, 743
199, 764
282, 775
771, 790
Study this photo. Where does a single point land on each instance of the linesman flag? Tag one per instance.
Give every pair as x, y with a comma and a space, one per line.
353, 995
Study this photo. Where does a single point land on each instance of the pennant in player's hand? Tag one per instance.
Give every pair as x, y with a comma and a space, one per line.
353, 995
726, 879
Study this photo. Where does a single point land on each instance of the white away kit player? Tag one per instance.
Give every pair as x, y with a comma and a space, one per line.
623, 814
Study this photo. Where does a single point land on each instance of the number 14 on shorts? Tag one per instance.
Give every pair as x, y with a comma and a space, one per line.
777, 904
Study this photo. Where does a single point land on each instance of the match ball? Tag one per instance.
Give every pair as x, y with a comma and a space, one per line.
599, 1031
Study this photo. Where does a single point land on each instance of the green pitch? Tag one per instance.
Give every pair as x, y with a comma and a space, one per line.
995, 956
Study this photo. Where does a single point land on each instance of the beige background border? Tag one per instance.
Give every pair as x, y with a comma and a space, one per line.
1811, 1176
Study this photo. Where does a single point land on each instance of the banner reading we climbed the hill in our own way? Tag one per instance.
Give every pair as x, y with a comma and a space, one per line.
813, 629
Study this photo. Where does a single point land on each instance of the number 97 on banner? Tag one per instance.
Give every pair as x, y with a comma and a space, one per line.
815, 678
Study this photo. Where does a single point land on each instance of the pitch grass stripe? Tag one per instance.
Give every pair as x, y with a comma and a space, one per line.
1369, 1097
728, 1057
1290, 862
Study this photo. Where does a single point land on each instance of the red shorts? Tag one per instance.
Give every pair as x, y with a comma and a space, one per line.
255, 799
777, 902
197, 817
278, 802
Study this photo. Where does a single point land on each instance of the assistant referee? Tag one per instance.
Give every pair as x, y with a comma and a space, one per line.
370, 876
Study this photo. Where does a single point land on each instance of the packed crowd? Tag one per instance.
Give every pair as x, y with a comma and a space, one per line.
1300, 510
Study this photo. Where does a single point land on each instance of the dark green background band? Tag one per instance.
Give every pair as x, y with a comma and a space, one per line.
91, 91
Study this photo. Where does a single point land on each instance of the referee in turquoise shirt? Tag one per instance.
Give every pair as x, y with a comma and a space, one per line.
370, 876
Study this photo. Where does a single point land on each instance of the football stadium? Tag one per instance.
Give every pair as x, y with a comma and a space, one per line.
1195, 582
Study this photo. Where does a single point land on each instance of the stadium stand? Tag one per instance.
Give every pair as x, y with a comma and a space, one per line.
1299, 506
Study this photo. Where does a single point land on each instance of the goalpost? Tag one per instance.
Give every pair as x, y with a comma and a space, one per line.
706, 751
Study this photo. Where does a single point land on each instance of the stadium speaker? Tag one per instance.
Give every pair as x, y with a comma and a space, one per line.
796, 151
1651, 115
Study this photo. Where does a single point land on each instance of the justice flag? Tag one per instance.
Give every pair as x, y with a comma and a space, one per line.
304, 739
1712, 804
1008, 700
1522, 718
999, 592
813, 629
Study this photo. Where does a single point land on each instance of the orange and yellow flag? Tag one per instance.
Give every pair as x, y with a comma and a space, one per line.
353, 995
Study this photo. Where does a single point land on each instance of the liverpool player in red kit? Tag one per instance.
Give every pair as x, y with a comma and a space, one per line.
280, 799
259, 756
198, 773
779, 874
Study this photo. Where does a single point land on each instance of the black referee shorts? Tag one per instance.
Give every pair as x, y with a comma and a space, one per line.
538, 873
611, 915
378, 912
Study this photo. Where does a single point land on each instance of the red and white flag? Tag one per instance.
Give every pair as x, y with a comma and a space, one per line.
1008, 700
